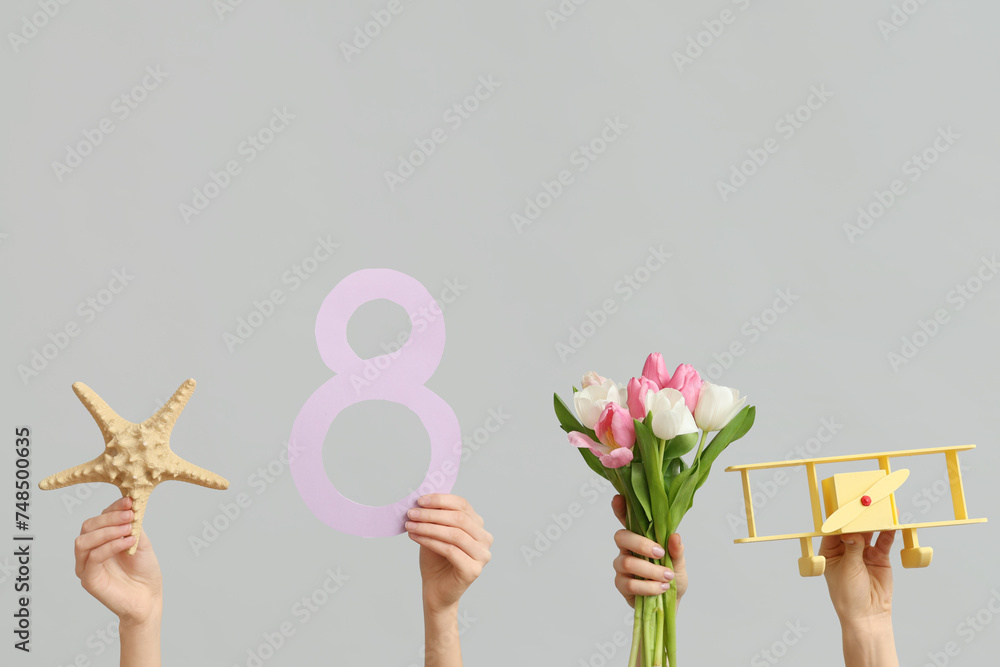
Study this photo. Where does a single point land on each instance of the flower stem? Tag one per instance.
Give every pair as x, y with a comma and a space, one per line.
633, 655
670, 616
658, 646
648, 630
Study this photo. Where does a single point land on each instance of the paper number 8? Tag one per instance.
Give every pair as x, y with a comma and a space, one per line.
400, 380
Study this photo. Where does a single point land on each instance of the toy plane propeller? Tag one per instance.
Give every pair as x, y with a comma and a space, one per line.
853, 509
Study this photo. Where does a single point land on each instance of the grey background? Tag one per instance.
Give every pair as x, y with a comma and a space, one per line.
825, 358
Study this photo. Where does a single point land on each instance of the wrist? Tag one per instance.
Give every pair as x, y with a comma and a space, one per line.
440, 613
868, 641
144, 622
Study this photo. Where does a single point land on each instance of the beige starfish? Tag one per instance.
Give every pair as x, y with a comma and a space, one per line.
136, 457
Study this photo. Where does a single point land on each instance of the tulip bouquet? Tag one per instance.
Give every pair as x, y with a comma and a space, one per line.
636, 437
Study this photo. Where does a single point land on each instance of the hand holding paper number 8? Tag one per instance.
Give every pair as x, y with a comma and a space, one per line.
636, 436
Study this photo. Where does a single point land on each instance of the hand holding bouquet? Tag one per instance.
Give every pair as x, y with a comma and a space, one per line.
636, 438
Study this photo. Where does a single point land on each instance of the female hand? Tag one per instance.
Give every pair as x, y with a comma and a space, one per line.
130, 586
654, 578
859, 576
454, 548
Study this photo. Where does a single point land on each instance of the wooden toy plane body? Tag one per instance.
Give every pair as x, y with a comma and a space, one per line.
841, 488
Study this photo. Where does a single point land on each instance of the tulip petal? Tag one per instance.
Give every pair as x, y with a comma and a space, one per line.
582, 440
656, 370
618, 458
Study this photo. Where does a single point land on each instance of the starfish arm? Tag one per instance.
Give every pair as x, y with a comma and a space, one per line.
184, 471
166, 416
139, 499
106, 418
92, 471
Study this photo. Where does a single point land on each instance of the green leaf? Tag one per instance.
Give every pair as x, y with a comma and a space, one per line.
680, 445
637, 512
566, 418
683, 500
594, 463
647, 444
678, 481
732, 431
641, 489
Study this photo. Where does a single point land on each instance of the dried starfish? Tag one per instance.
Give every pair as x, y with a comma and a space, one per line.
136, 457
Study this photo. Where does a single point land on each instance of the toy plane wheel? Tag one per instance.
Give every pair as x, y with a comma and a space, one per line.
812, 566
916, 556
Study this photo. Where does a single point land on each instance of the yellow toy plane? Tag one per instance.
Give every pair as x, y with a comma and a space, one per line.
860, 502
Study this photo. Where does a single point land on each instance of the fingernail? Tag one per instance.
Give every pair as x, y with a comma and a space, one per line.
658, 552
125, 528
668, 575
422, 500
665, 586
408, 525
130, 538
413, 514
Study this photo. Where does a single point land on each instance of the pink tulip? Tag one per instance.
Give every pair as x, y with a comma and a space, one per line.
592, 378
616, 433
614, 427
610, 457
654, 369
687, 381
639, 390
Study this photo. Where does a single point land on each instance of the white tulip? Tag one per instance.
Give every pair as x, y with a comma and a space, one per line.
590, 401
717, 405
671, 416
622, 399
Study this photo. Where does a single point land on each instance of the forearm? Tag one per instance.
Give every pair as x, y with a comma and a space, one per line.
441, 643
140, 642
869, 642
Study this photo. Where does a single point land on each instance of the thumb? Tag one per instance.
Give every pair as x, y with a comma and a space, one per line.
854, 548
